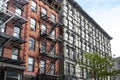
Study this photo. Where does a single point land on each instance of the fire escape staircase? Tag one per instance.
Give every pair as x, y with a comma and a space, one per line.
6, 16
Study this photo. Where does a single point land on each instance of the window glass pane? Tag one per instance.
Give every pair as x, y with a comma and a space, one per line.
42, 66
11, 75
53, 18
30, 60
67, 52
52, 69
33, 6
2, 28
32, 43
30, 63
18, 11
53, 51
14, 57
43, 49
1, 50
16, 32
15, 53
44, 29
30, 68
53, 34
44, 11
32, 23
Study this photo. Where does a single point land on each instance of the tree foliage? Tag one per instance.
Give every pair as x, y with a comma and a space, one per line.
100, 66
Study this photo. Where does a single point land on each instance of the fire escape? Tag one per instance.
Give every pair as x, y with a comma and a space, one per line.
8, 16
47, 56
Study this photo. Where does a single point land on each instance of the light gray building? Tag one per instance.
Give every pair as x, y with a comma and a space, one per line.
80, 34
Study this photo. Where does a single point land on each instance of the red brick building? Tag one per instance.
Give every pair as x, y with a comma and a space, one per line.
30, 40
12, 21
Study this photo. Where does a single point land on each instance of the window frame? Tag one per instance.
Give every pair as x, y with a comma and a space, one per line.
43, 12
43, 29
32, 45
45, 47
33, 24
18, 32
1, 50
14, 54
33, 6
3, 28
42, 67
53, 18
17, 11
29, 64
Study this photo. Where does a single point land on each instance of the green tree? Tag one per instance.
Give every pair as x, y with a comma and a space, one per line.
99, 66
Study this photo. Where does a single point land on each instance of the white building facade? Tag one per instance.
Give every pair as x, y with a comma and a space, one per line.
80, 34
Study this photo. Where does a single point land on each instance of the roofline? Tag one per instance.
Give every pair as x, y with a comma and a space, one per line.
75, 4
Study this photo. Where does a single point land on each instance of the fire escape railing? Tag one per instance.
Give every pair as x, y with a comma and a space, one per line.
7, 15
54, 39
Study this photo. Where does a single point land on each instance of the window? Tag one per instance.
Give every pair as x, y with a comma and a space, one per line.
67, 69
44, 29
2, 28
44, 12
42, 67
15, 53
30, 64
52, 69
18, 11
67, 36
43, 47
1, 50
81, 73
70, 25
3, 5
53, 34
53, 51
72, 55
32, 43
67, 52
73, 70
53, 18
16, 32
32, 24
71, 39
33, 6
11, 75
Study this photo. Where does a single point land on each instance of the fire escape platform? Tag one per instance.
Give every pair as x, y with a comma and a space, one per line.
5, 37
7, 15
49, 56
11, 63
49, 20
51, 38
22, 2
49, 76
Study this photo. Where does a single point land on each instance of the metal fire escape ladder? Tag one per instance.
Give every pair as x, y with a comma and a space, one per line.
49, 67
52, 45
53, 28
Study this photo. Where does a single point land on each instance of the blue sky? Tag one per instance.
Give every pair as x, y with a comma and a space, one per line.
107, 14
